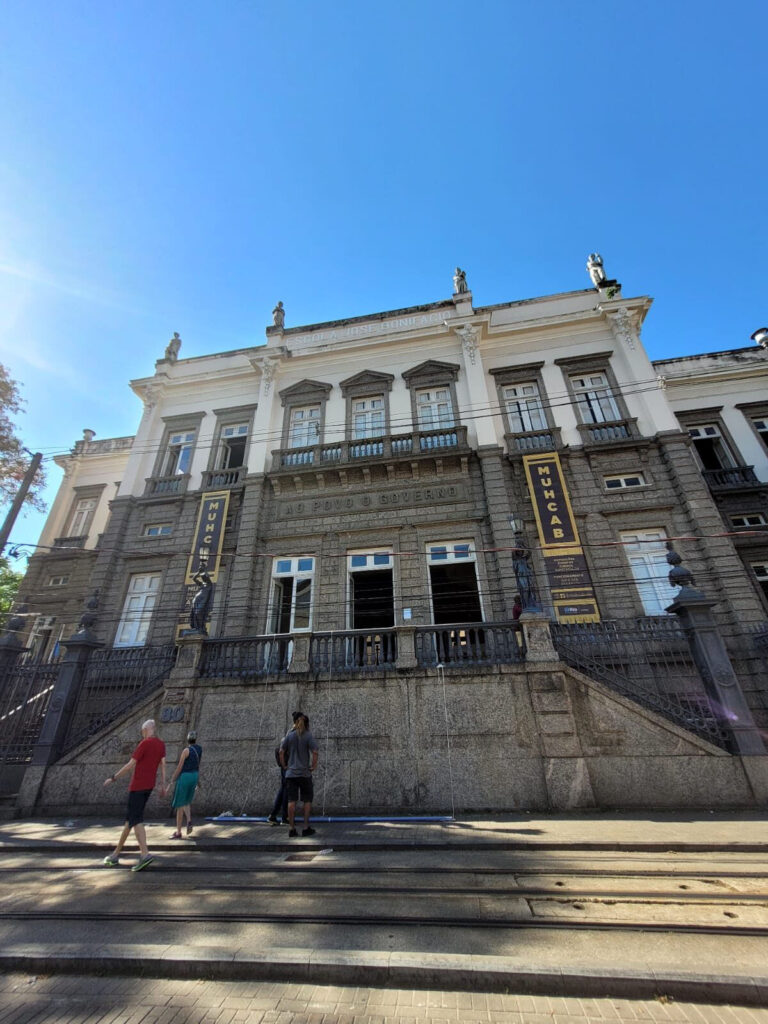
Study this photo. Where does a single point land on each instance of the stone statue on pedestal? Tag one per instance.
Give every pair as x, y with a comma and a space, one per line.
595, 269
172, 348
278, 315
460, 281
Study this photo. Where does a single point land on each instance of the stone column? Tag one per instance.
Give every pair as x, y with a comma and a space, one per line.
538, 639
63, 700
722, 685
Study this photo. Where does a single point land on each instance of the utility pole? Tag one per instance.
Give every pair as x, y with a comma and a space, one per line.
21, 494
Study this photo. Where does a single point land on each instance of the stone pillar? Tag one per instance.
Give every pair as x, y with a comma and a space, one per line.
63, 700
538, 639
406, 650
182, 696
10, 649
300, 659
722, 685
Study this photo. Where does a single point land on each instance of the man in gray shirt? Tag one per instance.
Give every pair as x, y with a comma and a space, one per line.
297, 750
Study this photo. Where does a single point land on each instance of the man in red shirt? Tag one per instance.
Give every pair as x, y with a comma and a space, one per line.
144, 763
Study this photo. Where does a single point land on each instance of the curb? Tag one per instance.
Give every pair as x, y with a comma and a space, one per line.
371, 969
230, 846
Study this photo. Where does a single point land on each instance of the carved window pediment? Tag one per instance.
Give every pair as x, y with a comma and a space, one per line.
431, 371
367, 381
305, 391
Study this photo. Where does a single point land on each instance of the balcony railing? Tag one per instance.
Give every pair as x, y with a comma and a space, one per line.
424, 442
241, 657
170, 485
611, 430
223, 477
534, 440
70, 542
459, 644
360, 650
731, 479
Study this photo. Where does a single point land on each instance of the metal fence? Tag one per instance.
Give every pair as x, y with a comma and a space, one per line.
114, 681
462, 644
242, 657
360, 650
25, 694
649, 661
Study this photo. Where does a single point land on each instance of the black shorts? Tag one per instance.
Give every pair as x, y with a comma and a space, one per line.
137, 801
301, 787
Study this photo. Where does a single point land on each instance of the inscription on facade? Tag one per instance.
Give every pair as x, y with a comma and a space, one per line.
406, 497
400, 323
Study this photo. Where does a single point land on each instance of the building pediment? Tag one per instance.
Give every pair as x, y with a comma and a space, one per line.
311, 390
431, 371
367, 380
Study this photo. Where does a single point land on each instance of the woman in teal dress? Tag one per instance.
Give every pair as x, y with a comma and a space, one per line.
186, 777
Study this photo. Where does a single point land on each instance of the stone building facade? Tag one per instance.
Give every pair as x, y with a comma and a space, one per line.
361, 488
403, 432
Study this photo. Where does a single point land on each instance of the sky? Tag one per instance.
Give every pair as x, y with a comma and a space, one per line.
180, 166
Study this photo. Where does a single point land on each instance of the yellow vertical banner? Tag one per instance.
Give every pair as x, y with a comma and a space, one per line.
570, 582
209, 535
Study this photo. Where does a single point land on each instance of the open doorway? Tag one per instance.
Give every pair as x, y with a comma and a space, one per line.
371, 608
453, 583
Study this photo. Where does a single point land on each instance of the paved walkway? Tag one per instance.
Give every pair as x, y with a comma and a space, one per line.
649, 831
78, 999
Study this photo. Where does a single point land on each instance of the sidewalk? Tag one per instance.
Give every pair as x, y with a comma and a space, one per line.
605, 831
662, 904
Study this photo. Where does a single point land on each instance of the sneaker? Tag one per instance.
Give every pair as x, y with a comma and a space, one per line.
292, 833
273, 820
142, 862
111, 861
189, 829
307, 831
175, 835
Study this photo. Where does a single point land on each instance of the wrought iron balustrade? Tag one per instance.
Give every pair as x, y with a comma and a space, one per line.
647, 660
115, 680
464, 644
24, 699
729, 479
243, 657
362, 650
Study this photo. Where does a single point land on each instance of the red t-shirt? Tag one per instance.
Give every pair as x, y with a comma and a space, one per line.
147, 756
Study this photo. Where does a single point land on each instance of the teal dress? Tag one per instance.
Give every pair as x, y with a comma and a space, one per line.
186, 784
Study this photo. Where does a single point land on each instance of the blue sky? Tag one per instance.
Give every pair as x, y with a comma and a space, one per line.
180, 166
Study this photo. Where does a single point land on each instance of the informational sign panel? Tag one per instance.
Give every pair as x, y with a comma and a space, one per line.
573, 595
209, 535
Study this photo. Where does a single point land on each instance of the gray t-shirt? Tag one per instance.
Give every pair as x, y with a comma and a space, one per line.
298, 754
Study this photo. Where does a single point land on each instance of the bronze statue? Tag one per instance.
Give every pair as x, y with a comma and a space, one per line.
202, 602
